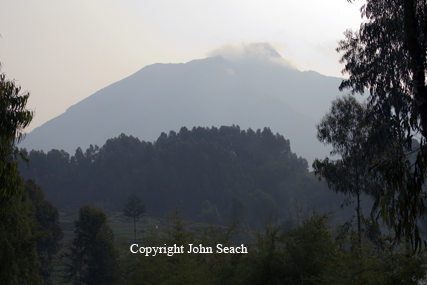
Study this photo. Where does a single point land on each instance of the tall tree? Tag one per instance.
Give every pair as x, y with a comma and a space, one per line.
13, 119
92, 256
343, 127
396, 32
387, 56
134, 209
47, 219
18, 228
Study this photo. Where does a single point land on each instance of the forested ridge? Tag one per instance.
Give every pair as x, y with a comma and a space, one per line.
216, 173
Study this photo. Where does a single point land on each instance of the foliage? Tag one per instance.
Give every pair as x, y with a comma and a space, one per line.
308, 253
186, 268
133, 209
269, 258
310, 250
92, 256
346, 129
185, 168
18, 239
219, 268
29, 227
30, 236
179, 268
369, 264
49, 230
13, 119
387, 56
210, 213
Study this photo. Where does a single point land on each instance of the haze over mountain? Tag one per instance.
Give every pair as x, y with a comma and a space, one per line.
251, 86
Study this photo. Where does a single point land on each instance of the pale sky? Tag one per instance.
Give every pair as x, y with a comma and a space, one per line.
64, 51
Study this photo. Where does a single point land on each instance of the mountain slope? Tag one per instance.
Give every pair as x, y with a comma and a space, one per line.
251, 93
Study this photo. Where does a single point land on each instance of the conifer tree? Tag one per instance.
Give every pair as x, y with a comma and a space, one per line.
134, 209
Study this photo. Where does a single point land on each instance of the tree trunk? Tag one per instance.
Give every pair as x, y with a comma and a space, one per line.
358, 219
134, 227
418, 58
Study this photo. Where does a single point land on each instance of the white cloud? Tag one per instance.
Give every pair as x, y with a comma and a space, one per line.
230, 71
253, 52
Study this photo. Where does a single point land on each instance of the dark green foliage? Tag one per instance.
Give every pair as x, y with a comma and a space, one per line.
23, 230
13, 119
387, 56
18, 240
210, 213
92, 256
134, 209
48, 227
220, 268
30, 236
265, 266
185, 268
309, 250
184, 168
176, 232
179, 268
346, 129
307, 253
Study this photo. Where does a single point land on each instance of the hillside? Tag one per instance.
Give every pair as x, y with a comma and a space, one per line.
216, 174
253, 92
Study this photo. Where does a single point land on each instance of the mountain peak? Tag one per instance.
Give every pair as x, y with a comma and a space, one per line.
253, 52
249, 85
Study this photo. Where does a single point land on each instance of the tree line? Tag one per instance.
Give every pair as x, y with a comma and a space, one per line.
218, 173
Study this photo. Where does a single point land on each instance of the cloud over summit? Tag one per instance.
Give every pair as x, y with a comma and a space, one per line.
253, 52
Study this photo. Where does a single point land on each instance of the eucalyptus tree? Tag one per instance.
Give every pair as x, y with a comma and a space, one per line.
345, 128
387, 57
18, 228
14, 117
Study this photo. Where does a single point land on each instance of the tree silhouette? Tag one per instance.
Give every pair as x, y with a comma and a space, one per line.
387, 57
345, 129
13, 119
92, 255
134, 209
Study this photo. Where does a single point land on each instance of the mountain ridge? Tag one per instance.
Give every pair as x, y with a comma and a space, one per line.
208, 92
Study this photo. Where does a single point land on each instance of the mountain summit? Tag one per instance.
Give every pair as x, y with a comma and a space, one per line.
252, 86
248, 52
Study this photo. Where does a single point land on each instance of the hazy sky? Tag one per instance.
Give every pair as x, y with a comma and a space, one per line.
64, 51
